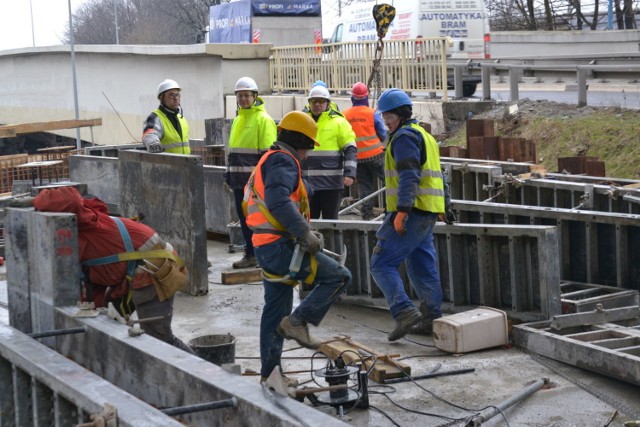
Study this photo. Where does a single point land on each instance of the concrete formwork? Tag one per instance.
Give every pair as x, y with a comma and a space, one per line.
510, 267
101, 176
594, 247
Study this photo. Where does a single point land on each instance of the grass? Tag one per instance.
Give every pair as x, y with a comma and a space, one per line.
612, 135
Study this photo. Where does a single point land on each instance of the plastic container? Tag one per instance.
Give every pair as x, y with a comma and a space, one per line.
218, 349
471, 330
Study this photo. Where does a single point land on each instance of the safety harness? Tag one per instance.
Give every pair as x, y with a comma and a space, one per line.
130, 256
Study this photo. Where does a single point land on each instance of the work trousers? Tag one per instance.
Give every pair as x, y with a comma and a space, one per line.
325, 203
330, 282
247, 233
416, 248
148, 305
367, 176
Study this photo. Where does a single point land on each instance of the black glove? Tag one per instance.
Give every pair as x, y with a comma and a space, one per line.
450, 217
156, 147
310, 243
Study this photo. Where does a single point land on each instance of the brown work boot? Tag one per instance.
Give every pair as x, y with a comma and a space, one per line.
298, 333
404, 322
423, 327
246, 262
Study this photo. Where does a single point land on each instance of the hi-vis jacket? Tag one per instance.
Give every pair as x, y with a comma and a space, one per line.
362, 120
252, 133
170, 128
335, 158
413, 176
282, 218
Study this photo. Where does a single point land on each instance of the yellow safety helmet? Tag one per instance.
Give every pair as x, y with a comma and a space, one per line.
297, 121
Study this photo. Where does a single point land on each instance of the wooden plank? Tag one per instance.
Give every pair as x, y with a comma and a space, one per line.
236, 277
353, 352
9, 131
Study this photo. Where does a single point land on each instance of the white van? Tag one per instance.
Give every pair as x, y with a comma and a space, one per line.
466, 22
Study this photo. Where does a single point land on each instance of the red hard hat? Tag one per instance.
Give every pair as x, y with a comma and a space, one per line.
359, 90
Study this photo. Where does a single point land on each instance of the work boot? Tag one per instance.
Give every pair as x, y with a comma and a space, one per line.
423, 327
246, 262
404, 322
298, 333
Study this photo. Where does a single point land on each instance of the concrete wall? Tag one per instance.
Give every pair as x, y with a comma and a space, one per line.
287, 30
519, 44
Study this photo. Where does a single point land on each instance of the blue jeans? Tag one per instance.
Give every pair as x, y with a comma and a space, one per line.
417, 250
247, 233
330, 282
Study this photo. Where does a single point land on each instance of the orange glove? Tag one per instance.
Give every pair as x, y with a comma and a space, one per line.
399, 222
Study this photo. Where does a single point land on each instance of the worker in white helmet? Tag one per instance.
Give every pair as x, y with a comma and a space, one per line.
252, 133
331, 166
166, 129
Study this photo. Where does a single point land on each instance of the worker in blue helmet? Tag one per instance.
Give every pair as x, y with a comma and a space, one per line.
415, 197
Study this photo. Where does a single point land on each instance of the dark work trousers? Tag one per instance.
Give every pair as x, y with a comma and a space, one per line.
247, 234
367, 175
325, 203
148, 305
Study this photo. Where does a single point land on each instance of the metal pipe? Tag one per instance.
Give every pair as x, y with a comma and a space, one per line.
199, 407
432, 375
502, 406
55, 332
361, 201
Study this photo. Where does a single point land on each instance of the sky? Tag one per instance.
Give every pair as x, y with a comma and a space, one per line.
50, 18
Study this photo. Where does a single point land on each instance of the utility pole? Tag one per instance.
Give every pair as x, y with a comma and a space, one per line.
610, 16
33, 34
115, 14
73, 70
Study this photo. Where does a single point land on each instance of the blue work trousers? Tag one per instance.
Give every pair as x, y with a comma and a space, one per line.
330, 282
247, 233
416, 248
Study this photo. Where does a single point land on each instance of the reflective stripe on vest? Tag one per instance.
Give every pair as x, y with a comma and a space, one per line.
430, 194
172, 141
266, 229
362, 122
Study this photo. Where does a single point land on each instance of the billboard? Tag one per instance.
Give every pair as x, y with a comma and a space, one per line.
286, 7
230, 23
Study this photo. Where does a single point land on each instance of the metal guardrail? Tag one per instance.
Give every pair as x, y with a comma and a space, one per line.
411, 64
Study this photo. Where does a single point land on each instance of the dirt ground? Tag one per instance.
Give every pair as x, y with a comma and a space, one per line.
572, 398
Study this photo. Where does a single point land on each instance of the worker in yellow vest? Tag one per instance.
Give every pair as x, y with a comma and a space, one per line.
370, 134
415, 197
166, 129
286, 248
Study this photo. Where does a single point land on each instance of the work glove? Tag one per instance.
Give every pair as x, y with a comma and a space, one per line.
399, 222
320, 237
450, 217
155, 147
310, 243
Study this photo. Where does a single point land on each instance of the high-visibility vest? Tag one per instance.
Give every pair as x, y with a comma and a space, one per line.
172, 141
430, 195
362, 122
267, 229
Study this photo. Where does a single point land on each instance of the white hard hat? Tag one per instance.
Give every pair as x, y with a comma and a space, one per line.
166, 85
246, 83
319, 92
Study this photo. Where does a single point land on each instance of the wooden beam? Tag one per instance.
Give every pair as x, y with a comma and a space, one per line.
10, 131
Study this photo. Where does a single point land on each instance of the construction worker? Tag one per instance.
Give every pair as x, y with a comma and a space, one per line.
370, 133
145, 283
415, 196
332, 165
278, 213
252, 133
332, 104
166, 129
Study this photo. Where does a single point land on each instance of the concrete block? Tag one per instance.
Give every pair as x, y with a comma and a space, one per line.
219, 204
16, 227
100, 174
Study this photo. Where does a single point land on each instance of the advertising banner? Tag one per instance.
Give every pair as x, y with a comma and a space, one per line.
230, 23
286, 7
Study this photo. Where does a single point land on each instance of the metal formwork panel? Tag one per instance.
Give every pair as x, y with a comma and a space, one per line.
513, 268
468, 181
593, 247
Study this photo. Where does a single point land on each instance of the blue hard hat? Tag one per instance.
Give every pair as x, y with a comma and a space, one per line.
392, 99
319, 83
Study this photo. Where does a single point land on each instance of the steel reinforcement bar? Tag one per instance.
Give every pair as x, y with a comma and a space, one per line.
510, 267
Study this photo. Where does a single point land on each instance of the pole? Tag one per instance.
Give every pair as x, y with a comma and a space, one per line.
115, 14
610, 15
33, 33
73, 71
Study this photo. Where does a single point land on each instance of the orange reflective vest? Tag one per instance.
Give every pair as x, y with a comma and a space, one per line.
362, 122
266, 228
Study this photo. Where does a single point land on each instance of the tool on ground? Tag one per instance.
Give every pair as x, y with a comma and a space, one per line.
338, 394
431, 375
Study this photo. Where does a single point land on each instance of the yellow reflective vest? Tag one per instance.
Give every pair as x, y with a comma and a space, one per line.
172, 141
